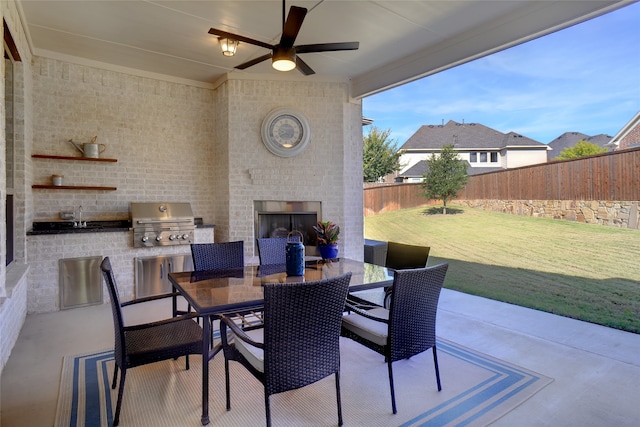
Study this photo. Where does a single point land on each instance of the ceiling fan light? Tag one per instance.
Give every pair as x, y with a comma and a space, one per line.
228, 46
284, 59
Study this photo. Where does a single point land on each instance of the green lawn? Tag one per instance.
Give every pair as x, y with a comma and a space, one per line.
584, 271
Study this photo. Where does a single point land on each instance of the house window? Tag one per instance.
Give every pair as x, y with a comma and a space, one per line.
484, 157
10, 55
9, 156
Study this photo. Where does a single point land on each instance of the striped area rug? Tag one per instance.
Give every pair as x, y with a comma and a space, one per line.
477, 389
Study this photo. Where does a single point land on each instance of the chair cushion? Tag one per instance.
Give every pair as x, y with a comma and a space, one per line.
254, 355
368, 329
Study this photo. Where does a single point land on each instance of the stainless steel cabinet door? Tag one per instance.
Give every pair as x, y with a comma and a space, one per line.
80, 282
152, 273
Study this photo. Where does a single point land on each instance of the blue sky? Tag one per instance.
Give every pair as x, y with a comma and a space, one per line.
585, 78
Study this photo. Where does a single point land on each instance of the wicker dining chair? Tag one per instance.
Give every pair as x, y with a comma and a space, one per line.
217, 256
408, 327
141, 344
272, 250
299, 342
401, 256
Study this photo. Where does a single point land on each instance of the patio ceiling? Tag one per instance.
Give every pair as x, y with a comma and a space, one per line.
400, 41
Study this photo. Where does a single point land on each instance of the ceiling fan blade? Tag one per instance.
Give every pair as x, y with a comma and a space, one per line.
240, 38
303, 67
292, 26
327, 47
254, 61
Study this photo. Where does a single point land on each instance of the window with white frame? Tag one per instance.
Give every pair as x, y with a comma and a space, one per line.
483, 157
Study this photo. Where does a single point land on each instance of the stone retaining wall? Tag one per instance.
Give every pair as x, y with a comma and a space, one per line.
614, 213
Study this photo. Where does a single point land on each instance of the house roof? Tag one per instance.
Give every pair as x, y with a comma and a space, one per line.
466, 136
601, 139
419, 169
569, 139
629, 135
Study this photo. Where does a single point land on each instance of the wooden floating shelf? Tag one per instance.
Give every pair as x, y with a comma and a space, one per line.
87, 159
72, 187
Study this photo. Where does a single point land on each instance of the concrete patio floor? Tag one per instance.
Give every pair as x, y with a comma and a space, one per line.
595, 370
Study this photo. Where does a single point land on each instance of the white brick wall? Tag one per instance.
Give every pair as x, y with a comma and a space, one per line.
159, 132
329, 170
175, 142
13, 311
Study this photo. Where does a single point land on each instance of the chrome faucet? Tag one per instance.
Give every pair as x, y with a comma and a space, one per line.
80, 223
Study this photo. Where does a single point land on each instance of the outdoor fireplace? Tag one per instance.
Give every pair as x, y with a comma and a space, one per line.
279, 218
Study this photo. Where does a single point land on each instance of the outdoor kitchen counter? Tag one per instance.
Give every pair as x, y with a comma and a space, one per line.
47, 247
66, 227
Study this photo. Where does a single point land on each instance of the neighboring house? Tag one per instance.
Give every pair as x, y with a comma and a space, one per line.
417, 171
629, 135
569, 139
485, 149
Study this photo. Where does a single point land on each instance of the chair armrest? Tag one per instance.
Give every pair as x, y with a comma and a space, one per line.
361, 310
237, 330
149, 298
160, 322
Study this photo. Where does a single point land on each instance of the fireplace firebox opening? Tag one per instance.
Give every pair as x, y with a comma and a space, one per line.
279, 218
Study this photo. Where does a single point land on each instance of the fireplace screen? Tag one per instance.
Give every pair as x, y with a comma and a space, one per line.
278, 219
281, 224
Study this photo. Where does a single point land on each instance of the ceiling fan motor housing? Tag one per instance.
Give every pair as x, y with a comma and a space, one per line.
284, 59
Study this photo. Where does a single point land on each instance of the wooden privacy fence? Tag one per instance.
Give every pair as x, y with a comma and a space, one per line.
608, 176
391, 197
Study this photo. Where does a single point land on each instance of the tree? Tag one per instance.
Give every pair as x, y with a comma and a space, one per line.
581, 149
380, 155
446, 175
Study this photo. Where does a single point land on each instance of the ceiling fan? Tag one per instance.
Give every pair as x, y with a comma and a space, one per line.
284, 55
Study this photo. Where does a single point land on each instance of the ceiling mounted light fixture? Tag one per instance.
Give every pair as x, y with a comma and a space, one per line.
284, 59
228, 46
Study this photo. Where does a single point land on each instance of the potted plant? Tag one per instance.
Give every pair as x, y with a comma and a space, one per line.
328, 234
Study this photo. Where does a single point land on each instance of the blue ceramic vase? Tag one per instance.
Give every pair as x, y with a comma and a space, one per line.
328, 251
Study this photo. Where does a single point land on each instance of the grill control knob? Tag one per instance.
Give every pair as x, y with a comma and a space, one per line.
173, 237
145, 238
158, 238
185, 237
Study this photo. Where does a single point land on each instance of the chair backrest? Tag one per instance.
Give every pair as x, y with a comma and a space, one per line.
302, 331
217, 256
272, 250
116, 310
412, 316
401, 256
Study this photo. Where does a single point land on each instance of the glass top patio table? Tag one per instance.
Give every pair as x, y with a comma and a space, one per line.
219, 291
214, 292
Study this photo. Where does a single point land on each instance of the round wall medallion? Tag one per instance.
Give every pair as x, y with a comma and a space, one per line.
285, 132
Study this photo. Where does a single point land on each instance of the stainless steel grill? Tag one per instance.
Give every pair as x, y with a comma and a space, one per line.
161, 224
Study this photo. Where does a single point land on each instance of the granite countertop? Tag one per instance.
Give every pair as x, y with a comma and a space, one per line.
66, 227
